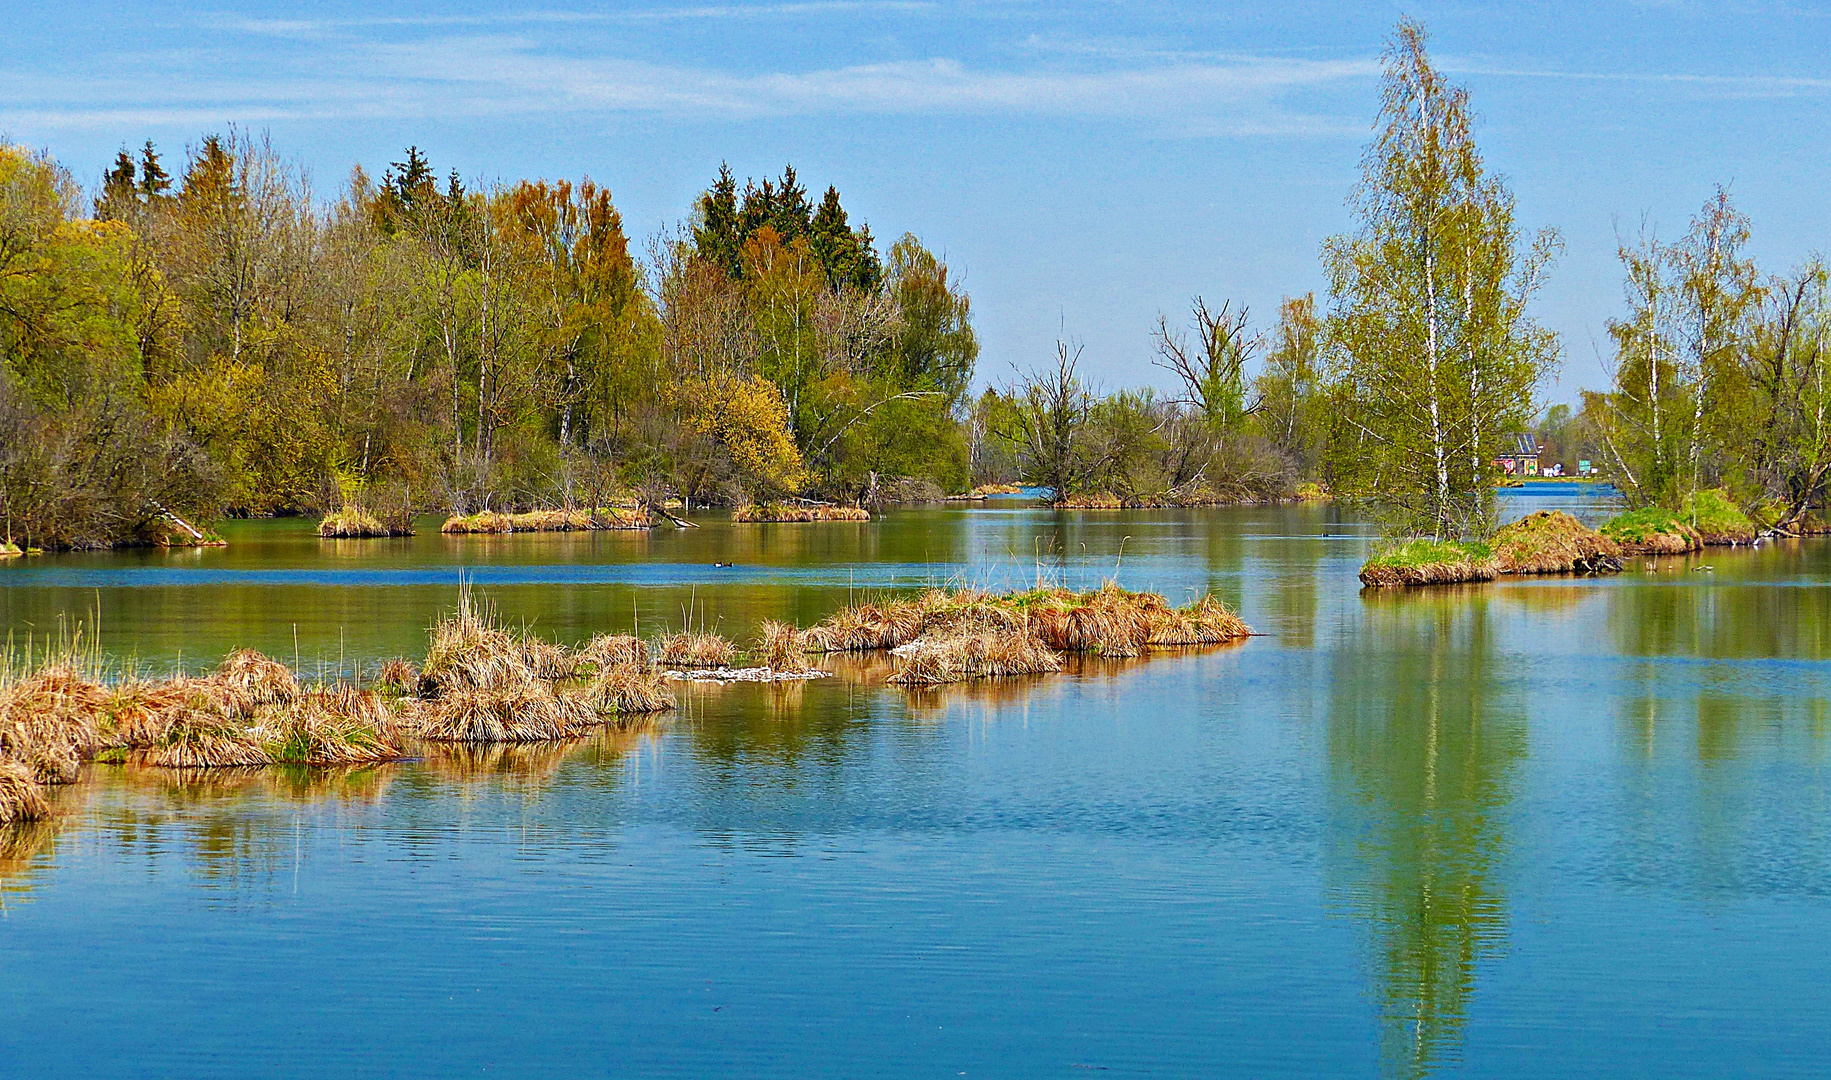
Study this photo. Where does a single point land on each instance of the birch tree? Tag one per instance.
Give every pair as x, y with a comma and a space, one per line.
1434, 354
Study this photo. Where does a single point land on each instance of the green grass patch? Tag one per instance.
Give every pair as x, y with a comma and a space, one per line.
1420, 552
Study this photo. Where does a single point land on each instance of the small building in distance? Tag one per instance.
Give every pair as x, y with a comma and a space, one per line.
1519, 456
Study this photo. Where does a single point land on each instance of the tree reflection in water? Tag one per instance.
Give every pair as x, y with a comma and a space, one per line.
1423, 741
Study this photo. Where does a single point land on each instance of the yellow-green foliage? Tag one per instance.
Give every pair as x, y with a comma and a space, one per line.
746, 415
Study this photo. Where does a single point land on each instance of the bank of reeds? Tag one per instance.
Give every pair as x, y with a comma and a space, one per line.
1423, 561
1652, 530
559, 520
1553, 542
986, 655
352, 522
952, 635
777, 512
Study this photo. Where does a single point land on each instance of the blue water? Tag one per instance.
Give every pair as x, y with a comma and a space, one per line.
1569, 827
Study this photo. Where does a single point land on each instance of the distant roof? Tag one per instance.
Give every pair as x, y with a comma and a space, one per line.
1520, 446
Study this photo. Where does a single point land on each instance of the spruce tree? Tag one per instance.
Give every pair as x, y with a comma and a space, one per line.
154, 180
715, 234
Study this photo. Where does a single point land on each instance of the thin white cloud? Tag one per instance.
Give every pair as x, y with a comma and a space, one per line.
484, 75
321, 28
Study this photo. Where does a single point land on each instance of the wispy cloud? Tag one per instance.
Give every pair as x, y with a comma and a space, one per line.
322, 28
507, 74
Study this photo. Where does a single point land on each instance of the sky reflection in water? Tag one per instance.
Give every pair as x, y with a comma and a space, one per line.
1536, 828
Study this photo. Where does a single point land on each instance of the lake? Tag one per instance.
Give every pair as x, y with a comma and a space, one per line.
1562, 827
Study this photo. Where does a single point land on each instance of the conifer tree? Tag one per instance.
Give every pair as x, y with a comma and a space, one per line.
715, 234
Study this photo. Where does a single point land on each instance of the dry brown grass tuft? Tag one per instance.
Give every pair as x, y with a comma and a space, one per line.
355, 523
933, 661
691, 649
339, 726
610, 650
531, 712
627, 690
771, 512
1205, 622
208, 735
548, 660
782, 647
52, 720
469, 653
575, 520
1106, 622
399, 676
22, 798
249, 681
867, 627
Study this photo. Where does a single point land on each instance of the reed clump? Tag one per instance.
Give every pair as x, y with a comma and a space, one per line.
776, 512
782, 647
351, 522
986, 655
631, 689
1423, 561
610, 650
1553, 542
696, 649
553, 520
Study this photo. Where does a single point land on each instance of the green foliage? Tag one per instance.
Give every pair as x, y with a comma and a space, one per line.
1643, 525
1436, 358
1713, 513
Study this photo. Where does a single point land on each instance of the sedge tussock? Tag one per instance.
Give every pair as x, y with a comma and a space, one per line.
696, 649
22, 798
250, 680
782, 647
548, 660
772, 512
575, 520
627, 691
468, 652
1205, 622
330, 728
399, 676
355, 523
530, 712
931, 662
208, 735
610, 650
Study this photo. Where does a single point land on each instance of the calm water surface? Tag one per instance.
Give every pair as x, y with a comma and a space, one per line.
1542, 828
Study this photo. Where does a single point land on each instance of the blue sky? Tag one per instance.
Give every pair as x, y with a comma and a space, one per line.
1084, 165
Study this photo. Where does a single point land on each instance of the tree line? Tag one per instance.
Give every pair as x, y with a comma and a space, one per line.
1405, 385
219, 341
215, 340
